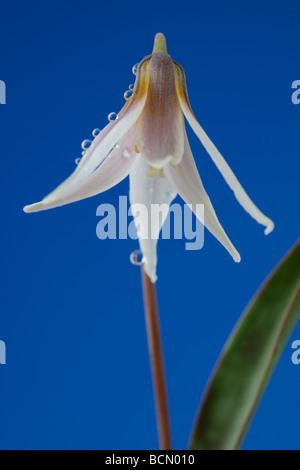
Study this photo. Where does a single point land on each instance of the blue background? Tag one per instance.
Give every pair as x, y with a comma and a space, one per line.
77, 373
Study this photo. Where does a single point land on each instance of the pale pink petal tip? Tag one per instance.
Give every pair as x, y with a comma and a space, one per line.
33, 208
269, 228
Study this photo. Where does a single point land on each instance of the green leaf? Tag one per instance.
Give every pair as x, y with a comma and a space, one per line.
248, 359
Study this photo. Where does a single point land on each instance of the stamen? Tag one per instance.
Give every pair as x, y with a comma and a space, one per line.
156, 172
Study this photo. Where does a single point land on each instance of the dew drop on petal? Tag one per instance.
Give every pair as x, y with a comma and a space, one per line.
126, 153
135, 69
83, 153
131, 87
77, 161
96, 132
136, 257
128, 94
112, 116
86, 144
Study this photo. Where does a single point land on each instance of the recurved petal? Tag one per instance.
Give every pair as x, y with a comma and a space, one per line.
101, 146
161, 125
113, 170
188, 184
217, 158
148, 189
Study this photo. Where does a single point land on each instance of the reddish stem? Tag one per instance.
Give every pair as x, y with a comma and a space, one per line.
157, 363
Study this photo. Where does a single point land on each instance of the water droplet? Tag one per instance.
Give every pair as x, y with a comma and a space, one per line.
83, 153
77, 161
131, 87
128, 94
126, 153
136, 258
135, 69
96, 132
86, 144
112, 116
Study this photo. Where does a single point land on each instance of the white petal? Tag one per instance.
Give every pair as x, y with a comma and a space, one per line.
148, 190
161, 125
219, 161
188, 184
102, 144
113, 170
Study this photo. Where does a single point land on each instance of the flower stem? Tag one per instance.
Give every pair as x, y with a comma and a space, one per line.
156, 359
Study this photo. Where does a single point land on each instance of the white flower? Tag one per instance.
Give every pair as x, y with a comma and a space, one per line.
154, 150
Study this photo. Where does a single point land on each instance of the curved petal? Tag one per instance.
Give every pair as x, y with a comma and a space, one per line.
188, 184
104, 142
219, 161
161, 125
113, 170
147, 189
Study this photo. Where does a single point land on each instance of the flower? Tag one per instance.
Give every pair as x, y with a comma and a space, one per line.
148, 142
